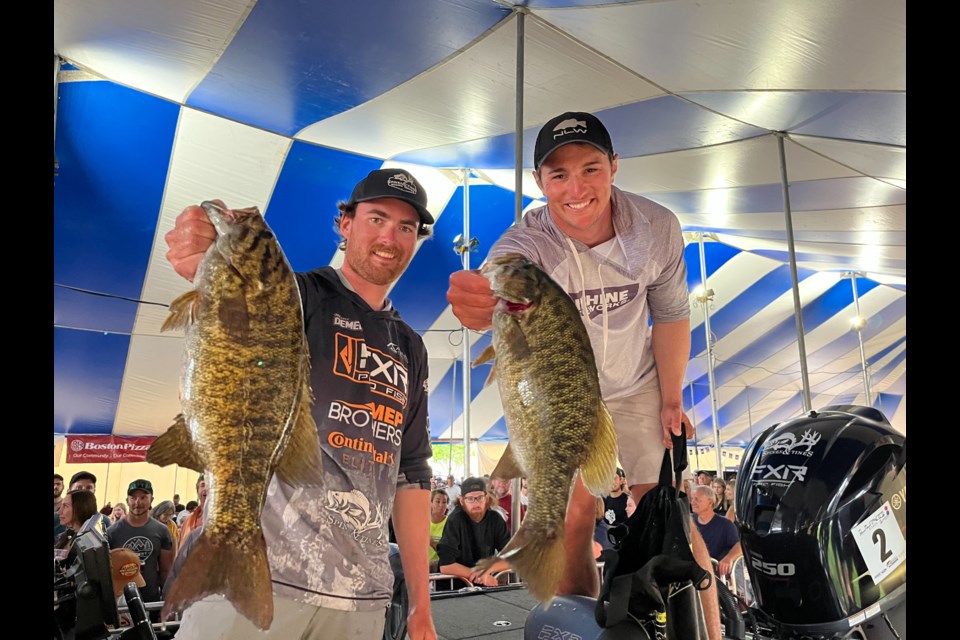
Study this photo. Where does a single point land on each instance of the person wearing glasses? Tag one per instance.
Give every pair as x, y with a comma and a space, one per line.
473, 532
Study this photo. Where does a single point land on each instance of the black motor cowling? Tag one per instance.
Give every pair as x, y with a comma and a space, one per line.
821, 509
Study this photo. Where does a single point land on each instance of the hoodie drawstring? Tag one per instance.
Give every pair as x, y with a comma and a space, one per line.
583, 297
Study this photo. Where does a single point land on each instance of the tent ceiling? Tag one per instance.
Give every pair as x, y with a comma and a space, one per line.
287, 104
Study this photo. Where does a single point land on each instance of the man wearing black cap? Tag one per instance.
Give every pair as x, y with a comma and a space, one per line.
328, 546
145, 536
620, 257
473, 532
86, 481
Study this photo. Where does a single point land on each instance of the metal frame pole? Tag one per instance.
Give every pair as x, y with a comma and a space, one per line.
465, 256
797, 309
518, 148
859, 327
705, 300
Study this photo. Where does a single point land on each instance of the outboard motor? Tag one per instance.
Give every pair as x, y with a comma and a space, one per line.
822, 512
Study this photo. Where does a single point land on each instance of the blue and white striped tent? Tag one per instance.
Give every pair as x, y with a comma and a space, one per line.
286, 104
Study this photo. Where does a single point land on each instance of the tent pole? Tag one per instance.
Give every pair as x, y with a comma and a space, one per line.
465, 256
693, 417
858, 325
453, 399
705, 300
797, 309
518, 147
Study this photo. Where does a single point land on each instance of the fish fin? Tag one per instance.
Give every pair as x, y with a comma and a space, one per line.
234, 316
485, 356
488, 355
237, 569
600, 466
301, 462
183, 311
538, 558
175, 446
507, 468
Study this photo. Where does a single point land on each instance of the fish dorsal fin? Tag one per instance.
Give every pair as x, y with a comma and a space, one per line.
600, 466
175, 446
508, 468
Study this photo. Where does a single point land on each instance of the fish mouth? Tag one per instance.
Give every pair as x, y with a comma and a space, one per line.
513, 306
217, 208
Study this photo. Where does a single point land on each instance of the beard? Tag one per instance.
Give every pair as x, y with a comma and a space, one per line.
366, 264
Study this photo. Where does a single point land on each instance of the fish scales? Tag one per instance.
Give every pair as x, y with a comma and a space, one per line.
245, 395
556, 419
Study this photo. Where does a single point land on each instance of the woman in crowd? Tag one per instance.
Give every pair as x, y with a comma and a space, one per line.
731, 496
722, 504
119, 513
165, 513
77, 507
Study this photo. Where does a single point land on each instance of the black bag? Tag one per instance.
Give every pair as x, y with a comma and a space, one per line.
652, 571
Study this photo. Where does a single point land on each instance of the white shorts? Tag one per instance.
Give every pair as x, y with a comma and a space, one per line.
214, 618
639, 434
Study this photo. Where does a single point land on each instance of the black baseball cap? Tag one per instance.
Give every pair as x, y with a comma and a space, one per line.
83, 475
393, 183
572, 126
140, 485
472, 484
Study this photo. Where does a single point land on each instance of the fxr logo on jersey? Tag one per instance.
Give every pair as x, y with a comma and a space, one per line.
364, 365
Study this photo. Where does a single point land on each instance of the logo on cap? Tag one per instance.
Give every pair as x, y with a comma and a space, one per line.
571, 125
402, 182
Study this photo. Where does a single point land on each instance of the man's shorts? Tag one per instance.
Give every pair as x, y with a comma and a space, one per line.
214, 618
639, 434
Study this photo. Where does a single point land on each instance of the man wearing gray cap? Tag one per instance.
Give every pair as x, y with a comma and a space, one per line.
328, 546
620, 258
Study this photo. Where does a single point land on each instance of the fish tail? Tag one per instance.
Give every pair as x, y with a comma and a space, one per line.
538, 558
241, 572
600, 467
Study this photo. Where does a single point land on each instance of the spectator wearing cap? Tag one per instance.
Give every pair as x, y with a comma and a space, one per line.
473, 532
164, 513
145, 536
86, 481
704, 478
611, 510
615, 504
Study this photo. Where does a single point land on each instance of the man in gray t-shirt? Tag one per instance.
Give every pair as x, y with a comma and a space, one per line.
146, 537
620, 258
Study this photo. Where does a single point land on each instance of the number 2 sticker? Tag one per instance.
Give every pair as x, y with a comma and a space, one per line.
881, 543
